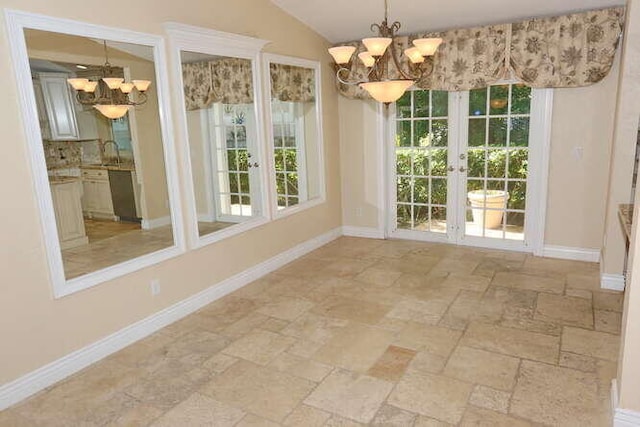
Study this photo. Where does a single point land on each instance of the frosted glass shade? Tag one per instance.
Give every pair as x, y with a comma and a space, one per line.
142, 85
377, 45
113, 82
427, 47
126, 87
387, 91
414, 55
78, 84
367, 59
90, 87
112, 111
342, 54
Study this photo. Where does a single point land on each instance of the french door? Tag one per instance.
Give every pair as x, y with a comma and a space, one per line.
465, 166
236, 186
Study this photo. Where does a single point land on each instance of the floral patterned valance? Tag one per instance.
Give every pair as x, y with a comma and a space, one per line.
567, 51
226, 80
291, 83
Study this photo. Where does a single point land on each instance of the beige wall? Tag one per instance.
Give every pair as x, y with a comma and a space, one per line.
361, 176
582, 117
577, 191
197, 154
35, 328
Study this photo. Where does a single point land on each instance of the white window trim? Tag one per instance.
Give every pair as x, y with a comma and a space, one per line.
537, 189
17, 22
212, 42
276, 213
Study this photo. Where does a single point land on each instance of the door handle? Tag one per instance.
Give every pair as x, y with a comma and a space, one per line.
451, 168
463, 156
462, 169
255, 165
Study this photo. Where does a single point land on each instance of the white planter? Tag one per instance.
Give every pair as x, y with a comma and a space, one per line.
490, 199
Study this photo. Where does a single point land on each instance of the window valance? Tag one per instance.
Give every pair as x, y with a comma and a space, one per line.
226, 80
229, 81
565, 51
291, 83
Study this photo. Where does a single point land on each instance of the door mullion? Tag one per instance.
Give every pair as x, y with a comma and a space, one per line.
462, 119
452, 175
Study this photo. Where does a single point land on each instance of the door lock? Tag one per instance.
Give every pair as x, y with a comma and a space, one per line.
255, 165
463, 156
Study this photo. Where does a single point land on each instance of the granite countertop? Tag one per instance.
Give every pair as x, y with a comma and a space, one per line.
625, 213
62, 179
125, 167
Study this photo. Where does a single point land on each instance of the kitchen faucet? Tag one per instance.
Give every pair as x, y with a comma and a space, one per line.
115, 144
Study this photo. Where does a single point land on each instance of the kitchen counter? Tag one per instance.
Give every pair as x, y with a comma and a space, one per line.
62, 179
625, 214
130, 168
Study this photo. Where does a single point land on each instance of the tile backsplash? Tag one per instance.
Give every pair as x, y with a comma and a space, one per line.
62, 154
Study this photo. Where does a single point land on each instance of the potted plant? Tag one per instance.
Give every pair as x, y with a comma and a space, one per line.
487, 207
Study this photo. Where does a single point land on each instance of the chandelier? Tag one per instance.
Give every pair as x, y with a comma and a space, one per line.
110, 94
380, 51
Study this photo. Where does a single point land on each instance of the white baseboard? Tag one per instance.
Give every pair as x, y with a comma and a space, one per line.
614, 282
622, 417
575, 254
148, 224
23, 387
366, 232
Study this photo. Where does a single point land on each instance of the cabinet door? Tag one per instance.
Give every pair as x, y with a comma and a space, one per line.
89, 197
59, 106
66, 204
103, 199
42, 111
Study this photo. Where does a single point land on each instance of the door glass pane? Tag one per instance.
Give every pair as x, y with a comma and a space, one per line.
421, 152
497, 173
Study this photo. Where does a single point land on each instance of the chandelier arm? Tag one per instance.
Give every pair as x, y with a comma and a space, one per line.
396, 61
348, 71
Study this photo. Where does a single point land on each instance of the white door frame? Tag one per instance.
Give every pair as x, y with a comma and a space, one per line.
537, 184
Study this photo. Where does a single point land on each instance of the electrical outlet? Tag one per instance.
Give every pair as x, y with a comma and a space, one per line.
155, 287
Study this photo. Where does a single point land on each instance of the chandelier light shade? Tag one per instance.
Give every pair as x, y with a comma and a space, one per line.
110, 94
342, 54
380, 53
112, 111
386, 91
367, 59
427, 47
377, 46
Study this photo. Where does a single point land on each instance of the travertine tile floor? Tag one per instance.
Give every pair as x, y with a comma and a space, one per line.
393, 333
115, 249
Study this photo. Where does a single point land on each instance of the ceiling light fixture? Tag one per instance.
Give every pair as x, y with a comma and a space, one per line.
110, 94
380, 51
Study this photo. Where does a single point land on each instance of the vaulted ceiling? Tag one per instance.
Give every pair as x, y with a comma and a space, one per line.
343, 20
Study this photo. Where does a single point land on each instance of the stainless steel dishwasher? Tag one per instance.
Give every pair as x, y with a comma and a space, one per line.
124, 202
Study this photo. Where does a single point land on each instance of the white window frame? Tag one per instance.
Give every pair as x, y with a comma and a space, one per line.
17, 22
268, 59
301, 167
203, 40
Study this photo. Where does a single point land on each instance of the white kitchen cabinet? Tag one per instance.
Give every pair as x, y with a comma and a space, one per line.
42, 111
96, 201
59, 106
66, 195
